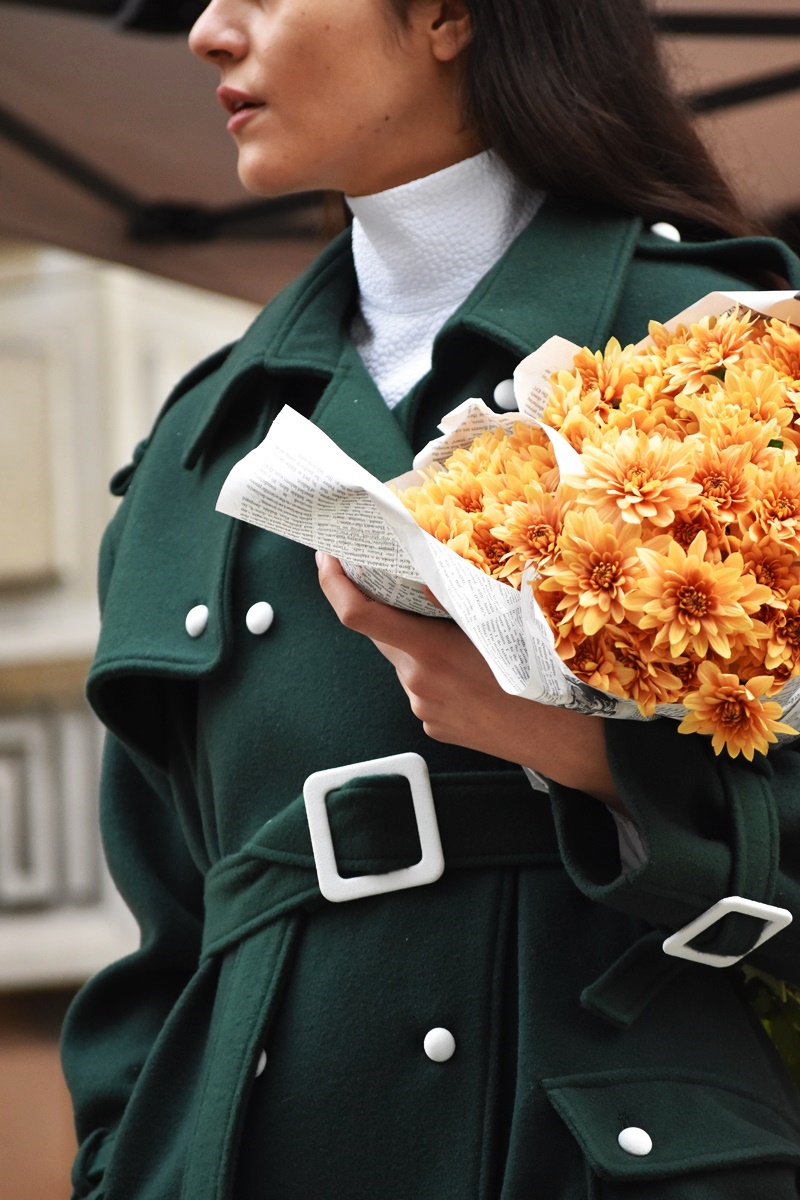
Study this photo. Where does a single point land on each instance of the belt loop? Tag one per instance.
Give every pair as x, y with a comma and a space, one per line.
624, 991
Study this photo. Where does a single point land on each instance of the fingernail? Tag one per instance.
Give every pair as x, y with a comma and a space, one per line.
318, 557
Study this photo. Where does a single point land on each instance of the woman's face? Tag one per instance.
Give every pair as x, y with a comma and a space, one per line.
338, 93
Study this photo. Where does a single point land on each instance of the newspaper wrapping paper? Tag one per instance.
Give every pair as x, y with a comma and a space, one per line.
299, 484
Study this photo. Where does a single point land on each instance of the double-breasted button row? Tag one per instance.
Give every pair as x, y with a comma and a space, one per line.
439, 1045
258, 619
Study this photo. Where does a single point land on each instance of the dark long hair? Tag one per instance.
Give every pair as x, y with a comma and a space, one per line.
574, 97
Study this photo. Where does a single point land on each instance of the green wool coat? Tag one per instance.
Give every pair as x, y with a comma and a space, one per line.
534, 950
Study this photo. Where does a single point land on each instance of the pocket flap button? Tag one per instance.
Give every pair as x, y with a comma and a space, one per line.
635, 1141
197, 620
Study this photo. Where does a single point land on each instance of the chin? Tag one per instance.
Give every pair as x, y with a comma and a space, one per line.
267, 179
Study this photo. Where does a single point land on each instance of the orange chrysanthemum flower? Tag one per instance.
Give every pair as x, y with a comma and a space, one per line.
607, 372
479, 455
694, 604
595, 663
571, 411
779, 347
507, 483
596, 567
451, 525
782, 650
686, 669
774, 566
634, 478
566, 635
646, 407
733, 713
487, 551
531, 443
757, 390
530, 528
713, 344
775, 512
463, 488
697, 519
653, 681
726, 477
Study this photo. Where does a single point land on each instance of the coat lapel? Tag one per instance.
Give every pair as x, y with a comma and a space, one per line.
563, 275
355, 416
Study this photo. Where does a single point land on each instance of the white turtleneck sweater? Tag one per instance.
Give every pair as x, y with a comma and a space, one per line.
419, 250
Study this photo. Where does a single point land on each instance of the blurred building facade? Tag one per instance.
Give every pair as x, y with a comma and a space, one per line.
87, 354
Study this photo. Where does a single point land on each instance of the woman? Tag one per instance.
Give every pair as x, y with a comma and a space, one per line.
513, 1029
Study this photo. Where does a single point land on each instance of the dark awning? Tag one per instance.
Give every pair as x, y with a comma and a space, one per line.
111, 140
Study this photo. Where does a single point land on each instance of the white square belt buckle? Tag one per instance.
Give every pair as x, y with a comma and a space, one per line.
776, 920
430, 867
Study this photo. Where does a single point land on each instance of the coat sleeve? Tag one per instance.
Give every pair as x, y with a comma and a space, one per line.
115, 1019
711, 827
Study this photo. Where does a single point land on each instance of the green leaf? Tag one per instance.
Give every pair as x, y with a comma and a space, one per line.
777, 1006
776, 444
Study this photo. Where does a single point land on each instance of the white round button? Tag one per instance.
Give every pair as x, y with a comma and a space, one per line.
504, 396
197, 620
665, 230
439, 1045
635, 1141
259, 617
262, 1063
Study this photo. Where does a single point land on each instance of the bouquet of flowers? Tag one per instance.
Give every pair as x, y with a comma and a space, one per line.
665, 558
627, 543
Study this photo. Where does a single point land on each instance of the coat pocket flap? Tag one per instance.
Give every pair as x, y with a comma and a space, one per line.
692, 1120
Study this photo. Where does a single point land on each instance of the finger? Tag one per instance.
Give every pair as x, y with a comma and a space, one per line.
378, 621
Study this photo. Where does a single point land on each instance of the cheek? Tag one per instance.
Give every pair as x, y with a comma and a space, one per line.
342, 76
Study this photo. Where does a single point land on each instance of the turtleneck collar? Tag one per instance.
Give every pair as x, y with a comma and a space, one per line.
422, 246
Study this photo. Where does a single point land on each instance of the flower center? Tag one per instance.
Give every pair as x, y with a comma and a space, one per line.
604, 576
584, 659
732, 712
638, 476
716, 486
685, 532
686, 672
494, 552
692, 601
783, 507
541, 537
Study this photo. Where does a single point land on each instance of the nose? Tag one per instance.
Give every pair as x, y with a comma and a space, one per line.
216, 36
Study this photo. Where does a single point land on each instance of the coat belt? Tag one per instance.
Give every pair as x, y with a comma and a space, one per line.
490, 820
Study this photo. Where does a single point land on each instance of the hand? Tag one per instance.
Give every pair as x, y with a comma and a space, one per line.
453, 692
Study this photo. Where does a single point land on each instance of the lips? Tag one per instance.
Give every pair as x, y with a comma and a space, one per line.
241, 105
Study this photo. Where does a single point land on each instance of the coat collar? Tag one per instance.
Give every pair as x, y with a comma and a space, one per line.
575, 256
